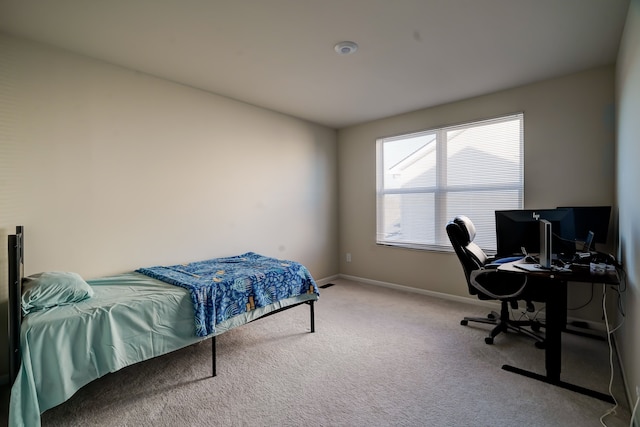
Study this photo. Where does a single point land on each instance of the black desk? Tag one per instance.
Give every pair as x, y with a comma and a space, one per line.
556, 290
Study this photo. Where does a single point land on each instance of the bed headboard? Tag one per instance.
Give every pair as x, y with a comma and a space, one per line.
16, 273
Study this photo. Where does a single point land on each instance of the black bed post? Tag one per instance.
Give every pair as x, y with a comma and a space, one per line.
16, 257
213, 356
313, 320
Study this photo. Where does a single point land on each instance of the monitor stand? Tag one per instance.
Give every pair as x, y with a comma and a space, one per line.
546, 253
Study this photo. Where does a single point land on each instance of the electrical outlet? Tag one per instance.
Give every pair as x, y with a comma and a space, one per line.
348, 257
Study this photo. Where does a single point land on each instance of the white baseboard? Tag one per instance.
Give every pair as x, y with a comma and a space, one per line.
325, 280
468, 300
596, 326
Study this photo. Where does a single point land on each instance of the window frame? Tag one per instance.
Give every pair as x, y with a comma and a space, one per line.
441, 190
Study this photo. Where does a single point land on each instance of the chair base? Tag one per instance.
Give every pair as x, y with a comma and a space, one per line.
502, 323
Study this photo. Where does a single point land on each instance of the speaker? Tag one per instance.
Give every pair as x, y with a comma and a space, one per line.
545, 243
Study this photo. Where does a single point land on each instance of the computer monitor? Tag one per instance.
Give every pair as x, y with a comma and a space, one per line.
520, 228
591, 218
516, 229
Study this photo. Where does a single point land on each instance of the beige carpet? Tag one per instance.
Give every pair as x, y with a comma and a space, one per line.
379, 357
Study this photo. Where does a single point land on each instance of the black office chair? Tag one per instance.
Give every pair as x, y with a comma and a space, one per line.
487, 283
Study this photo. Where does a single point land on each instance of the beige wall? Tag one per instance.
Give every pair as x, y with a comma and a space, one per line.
628, 178
109, 169
569, 160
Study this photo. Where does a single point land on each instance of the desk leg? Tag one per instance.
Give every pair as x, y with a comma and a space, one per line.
555, 323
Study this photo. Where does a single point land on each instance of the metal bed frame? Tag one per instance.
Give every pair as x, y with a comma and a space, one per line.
16, 275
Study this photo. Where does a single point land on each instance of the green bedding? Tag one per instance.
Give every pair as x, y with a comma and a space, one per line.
130, 318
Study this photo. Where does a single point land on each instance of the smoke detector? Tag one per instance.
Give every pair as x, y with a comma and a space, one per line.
345, 48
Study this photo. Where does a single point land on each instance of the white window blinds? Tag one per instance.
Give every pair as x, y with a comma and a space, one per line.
425, 179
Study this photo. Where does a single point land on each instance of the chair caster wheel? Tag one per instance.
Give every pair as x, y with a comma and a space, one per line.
535, 327
464, 322
488, 340
540, 344
491, 316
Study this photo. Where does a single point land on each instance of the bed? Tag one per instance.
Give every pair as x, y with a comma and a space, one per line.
79, 331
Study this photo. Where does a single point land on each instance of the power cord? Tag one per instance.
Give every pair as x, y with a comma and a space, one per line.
620, 310
633, 413
611, 411
526, 314
620, 290
585, 304
620, 303
530, 314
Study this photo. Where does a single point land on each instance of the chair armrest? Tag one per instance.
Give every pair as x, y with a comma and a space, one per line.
476, 274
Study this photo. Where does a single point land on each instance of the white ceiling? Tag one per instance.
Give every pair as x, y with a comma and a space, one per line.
278, 54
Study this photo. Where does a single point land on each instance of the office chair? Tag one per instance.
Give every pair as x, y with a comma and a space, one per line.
487, 283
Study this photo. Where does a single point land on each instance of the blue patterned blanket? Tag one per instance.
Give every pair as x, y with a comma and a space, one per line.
221, 288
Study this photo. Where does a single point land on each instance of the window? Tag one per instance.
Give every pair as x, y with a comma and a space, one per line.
425, 179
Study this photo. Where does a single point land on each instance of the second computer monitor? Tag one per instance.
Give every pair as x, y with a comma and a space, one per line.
591, 218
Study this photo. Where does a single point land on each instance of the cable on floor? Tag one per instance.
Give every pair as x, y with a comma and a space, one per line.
612, 410
634, 412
